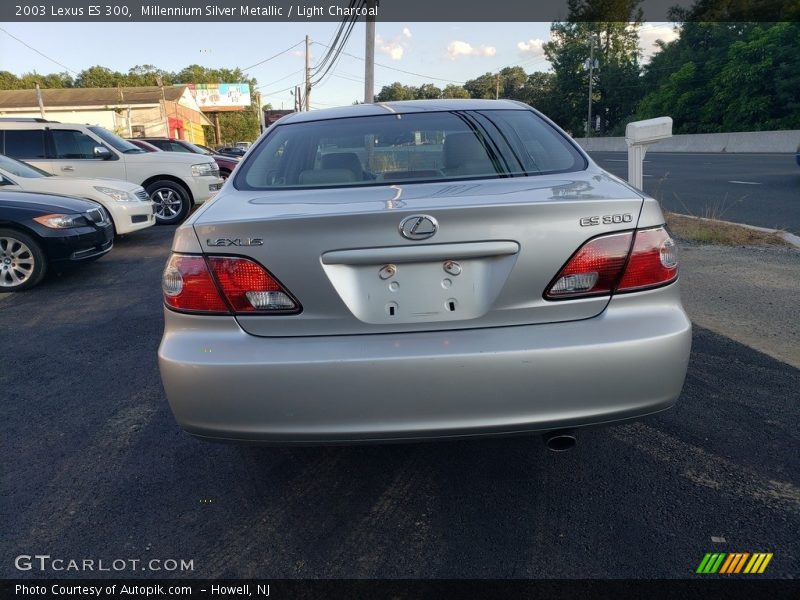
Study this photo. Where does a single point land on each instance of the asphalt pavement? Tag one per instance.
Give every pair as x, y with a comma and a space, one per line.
96, 468
755, 189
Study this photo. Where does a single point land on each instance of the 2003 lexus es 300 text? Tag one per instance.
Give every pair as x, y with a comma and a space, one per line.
415, 270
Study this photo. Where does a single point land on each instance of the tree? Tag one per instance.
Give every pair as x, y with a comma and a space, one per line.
396, 91
144, 75
484, 86
615, 47
452, 90
538, 91
726, 77
100, 77
427, 91
512, 82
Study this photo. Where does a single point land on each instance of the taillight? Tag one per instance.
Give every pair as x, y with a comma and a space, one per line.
223, 284
248, 286
617, 262
187, 285
594, 270
653, 262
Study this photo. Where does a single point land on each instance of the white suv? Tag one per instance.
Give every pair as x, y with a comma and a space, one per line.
173, 180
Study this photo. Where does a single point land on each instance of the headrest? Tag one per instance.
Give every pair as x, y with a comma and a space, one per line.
343, 160
461, 148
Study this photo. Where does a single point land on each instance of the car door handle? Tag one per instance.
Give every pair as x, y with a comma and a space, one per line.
68, 168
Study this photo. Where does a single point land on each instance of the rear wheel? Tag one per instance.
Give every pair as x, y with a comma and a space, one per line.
172, 201
22, 262
224, 174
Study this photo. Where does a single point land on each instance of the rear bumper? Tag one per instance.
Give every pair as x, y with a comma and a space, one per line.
226, 384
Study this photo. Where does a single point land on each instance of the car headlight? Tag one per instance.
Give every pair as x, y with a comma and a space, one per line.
205, 170
56, 221
115, 194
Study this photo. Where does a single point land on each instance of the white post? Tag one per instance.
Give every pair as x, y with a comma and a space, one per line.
638, 136
636, 154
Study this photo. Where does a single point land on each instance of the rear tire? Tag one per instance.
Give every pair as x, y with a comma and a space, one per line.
172, 201
224, 174
22, 262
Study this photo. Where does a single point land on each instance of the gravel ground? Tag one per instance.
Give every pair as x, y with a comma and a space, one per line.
751, 295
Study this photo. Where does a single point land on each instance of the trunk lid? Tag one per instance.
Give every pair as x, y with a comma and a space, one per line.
341, 253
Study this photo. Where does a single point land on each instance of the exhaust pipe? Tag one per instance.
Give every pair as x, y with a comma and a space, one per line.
560, 441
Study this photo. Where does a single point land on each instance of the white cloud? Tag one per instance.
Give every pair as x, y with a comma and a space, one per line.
458, 48
394, 47
650, 32
533, 47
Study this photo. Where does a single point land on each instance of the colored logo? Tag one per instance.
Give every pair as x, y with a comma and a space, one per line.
735, 562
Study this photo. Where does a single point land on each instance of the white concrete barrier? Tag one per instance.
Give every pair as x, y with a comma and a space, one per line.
737, 142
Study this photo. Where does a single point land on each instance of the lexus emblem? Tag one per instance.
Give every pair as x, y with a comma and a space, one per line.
418, 227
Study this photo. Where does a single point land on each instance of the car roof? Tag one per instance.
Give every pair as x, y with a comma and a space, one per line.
401, 107
41, 125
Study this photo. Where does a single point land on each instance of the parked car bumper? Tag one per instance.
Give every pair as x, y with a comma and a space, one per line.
204, 188
131, 216
625, 363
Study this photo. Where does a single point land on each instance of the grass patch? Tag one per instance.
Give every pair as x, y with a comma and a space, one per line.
713, 231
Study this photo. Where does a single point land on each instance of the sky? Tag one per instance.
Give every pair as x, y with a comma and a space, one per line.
438, 53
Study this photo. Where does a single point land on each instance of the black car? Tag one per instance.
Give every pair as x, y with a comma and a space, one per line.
232, 151
44, 231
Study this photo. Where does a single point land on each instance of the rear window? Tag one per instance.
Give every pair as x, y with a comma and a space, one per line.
402, 148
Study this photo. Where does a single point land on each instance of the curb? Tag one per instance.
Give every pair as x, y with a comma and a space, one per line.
789, 238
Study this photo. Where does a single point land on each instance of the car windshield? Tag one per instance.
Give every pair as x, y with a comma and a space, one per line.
115, 141
410, 147
198, 149
21, 169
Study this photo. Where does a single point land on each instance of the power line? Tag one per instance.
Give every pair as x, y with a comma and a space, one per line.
334, 40
333, 54
27, 45
269, 94
271, 83
396, 69
261, 62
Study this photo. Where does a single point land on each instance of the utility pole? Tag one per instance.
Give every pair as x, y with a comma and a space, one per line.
497, 87
260, 113
591, 66
163, 106
307, 95
41, 102
369, 55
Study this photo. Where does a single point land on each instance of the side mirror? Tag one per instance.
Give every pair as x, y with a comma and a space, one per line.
102, 152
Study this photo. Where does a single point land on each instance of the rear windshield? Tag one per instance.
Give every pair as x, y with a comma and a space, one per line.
403, 148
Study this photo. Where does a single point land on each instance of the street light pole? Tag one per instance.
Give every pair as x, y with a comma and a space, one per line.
591, 77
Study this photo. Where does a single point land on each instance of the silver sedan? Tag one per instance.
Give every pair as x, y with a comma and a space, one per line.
420, 270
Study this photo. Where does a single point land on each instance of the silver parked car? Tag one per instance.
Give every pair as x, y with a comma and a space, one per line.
417, 270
